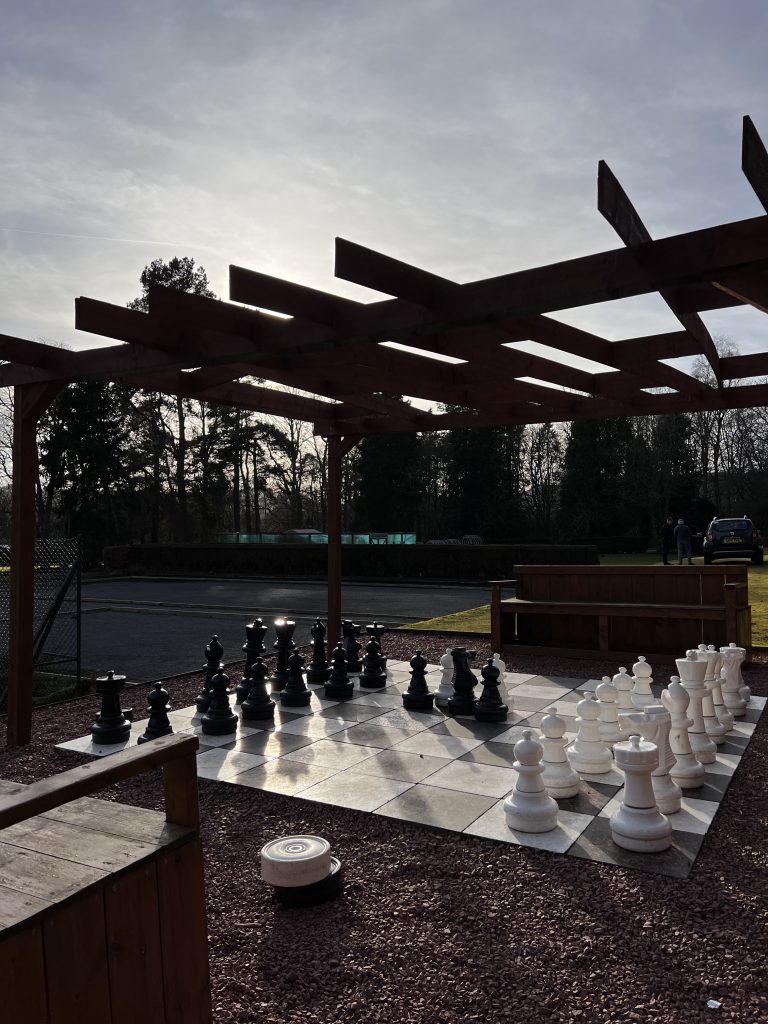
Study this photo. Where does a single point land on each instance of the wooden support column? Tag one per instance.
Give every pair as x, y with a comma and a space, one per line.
337, 449
29, 403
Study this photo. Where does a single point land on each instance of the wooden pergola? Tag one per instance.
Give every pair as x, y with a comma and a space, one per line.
334, 349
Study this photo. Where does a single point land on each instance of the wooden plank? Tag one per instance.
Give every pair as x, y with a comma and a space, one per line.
115, 819
184, 937
42, 876
75, 844
48, 793
748, 286
737, 367
16, 907
136, 983
22, 977
754, 160
76, 962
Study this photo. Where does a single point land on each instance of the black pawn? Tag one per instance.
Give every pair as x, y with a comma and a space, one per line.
214, 652
284, 645
258, 704
295, 693
219, 719
252, 648
417, 697
375, 631
339, 685
319, 671
158, 724
111, 725
373, 677
490, 707
464, 682
350, 631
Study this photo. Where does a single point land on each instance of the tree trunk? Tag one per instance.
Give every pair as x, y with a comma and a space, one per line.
182, 530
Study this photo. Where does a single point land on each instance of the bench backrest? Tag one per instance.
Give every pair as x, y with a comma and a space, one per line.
633, 584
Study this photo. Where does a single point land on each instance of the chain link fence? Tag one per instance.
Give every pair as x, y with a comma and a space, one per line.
56, 643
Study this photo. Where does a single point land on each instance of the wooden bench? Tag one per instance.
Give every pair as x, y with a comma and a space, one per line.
102, 906
621, 611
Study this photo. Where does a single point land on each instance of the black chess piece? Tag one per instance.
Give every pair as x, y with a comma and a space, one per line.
252, 649
490, 707
339, 685
464, 682
319, 671
111, 725
417, 697
295, 693
219, 719
214, 652
284, 645
350, 631
159, 723
375, 631
372, 677
258, 704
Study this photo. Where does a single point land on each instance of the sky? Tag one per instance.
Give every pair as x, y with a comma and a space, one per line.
462, 136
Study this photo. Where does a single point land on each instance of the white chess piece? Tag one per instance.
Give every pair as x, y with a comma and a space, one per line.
623, 683
692, 672
588, 753
529, 808
445, 690
743, 690
687, 772
639, 824
732, 698
606, 694
642, 694
654, 723
712, 726
501, 666
560, 780
724, 716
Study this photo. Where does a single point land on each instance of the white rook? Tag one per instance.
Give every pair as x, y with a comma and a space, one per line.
639, 824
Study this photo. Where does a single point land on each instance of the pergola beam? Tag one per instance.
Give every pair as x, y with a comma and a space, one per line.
614, 204
754, 160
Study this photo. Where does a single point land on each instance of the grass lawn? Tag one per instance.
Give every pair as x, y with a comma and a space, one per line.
478, 620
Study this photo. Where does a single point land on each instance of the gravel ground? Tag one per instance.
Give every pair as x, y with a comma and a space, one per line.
441, 928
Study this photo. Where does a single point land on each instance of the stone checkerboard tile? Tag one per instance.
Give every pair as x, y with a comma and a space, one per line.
371, 755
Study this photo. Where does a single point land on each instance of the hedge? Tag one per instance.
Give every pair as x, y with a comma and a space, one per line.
404, 561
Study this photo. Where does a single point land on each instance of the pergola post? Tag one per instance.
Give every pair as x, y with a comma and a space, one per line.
29, 403
337, 449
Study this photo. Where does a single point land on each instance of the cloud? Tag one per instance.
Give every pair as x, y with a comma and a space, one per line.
461, 137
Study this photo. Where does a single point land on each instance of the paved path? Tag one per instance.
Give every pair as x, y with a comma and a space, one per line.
154, 628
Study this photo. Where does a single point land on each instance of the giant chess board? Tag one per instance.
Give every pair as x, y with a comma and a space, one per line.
371, 755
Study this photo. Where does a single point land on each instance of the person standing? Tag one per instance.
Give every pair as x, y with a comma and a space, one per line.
667, 539
683, 541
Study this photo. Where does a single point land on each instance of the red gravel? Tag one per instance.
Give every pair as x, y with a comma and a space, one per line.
438, 927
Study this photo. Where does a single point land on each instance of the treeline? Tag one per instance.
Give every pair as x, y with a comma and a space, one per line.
120, 465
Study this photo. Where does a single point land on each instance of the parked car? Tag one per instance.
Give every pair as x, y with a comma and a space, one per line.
732, 538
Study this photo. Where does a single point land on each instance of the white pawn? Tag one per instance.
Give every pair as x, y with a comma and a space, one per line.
687, 772
501, 666
588, 753
642, 694
445, 690
724, 716
560, 780
610, 730
712, 726
731, 689
529, 808
692, 672
623, 683
654, 725
639, 824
